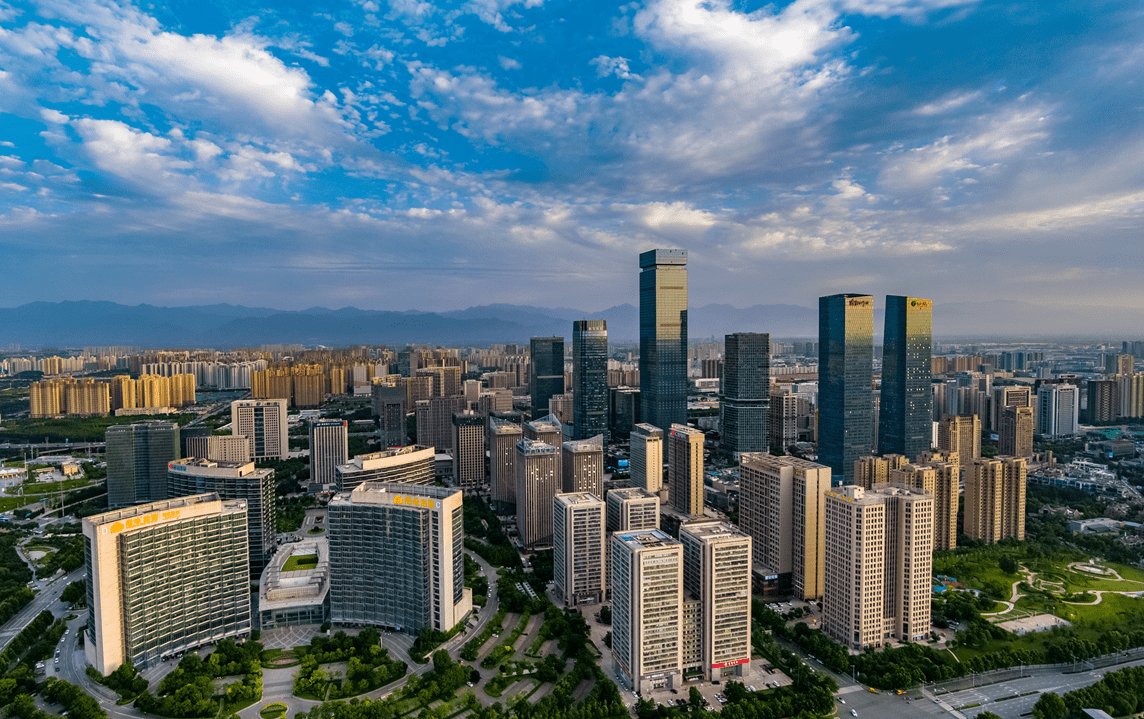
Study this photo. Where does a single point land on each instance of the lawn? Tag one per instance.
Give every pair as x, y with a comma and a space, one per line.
299, 562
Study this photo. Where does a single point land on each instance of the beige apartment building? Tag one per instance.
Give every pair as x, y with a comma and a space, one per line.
264, 422
717, 572
1008, 396
647, 457
1015, 435
871, 470
960, 435
163, 578
685, 469
943, 481
879, 547
995, 498
632, 508
435, 421
578, 561
582, 466
781, 508
647, 609
503, 437
537, 479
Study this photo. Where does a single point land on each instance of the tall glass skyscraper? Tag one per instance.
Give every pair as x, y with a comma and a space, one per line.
905, 418
590, 378
663, 337
845, 382
547, 372
745, 392
137, 458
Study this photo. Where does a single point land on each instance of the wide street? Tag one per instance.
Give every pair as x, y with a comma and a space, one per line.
48, 598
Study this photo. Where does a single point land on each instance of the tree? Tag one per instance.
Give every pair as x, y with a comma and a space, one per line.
1008, 565
1050, 706
694, 698
605, 615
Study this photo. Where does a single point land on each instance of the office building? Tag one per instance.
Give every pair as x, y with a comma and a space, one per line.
547, 429
233, 480
537, 480
632, 508
869, 471
745, 393
406, 465
685, 469
164, 578
396, 557
329, 449
995, 499
582, 466
468, 450
1103, 400
578, 561
137, 459
561, 406
782, 424
1058, 410
435, 421
503, 436
1007, 396
647, 609
960, 435
845, 382
590, 378
879, 547
647, 457
663, 337
904, 424
1015, 435
717, 573
781, 508
547, 372
263, 421
624, 411
220, 448
942, 480
390, 400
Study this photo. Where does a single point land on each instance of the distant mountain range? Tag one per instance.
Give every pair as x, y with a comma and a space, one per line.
74, 324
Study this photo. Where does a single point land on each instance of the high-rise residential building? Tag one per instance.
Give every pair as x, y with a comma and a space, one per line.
1058, 410
995, 498
632, 508
561, 407
845, 382
717, 572
745, 392
1015, 434
647, 609
960, 435
263, 421
396, 557
582, 466
446, 381
663, 337
233, 480
904, 424
782, 424
503, 436
468, 450
1103, 400
389, 397
405, 465
435, 421
137, 459
685, 469
1131, 394
647, 457
329, 449
578, 560
1007, 396
872, 470
547, 372
942, 480
781, 508
164, 578
537, 480
879, 550
590, 378
220, 448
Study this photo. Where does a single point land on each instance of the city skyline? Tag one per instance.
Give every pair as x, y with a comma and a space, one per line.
357, 156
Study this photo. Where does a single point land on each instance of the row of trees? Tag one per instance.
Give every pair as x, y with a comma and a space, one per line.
188, 691
1119, 693
368, 665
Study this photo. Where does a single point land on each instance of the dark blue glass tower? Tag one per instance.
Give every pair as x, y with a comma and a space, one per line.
590, 378
745, 392
547, 372
663, 337
905, 421
845, 382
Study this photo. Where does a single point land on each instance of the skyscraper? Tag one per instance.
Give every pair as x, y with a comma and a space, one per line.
631, 508
960, 435
264, 422
745, 392
1057, 410
904, 424
1015, 435
1007, 396
845, 382
407, 465
578, 561
468, 449
685, 469
389, 396
717, 572
647, 608
995, 499
582, 466
663, 337
329, 448
503, 437
1103, 400
547, 372
537, 480
647, 457
137, 459
590, 378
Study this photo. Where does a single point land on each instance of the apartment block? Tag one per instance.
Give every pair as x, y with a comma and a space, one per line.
995, 498
647, 609
869, 470
579, 563
1015, 435
961, 435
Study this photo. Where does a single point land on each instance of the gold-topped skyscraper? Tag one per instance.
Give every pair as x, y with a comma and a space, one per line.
663, 337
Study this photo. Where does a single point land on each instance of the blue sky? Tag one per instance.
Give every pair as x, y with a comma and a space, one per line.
434, 155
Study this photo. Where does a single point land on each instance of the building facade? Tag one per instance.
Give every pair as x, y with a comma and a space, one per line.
717, 572
685, 469
137, 458
590, 378
547, 372
845, 382
221, 448
632, 508
503, 436
960, 435
1058, 410
390, 403
263, 421
647, 457
329, 449
582, 466
745, 393
663, 337
1015, 434
995, 498
407, 465
468, 450
537, 481
647, 609
905, 410
578, 561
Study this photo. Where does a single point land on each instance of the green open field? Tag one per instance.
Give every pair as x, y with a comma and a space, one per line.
299, 562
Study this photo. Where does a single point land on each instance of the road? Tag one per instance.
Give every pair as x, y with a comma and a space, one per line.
48, 598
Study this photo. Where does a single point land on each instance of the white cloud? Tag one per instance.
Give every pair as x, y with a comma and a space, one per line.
617, 66
508, 63
127, 153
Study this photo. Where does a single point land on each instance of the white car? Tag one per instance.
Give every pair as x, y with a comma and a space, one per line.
854, 712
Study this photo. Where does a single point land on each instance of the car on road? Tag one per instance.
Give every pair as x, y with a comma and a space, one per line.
853, 712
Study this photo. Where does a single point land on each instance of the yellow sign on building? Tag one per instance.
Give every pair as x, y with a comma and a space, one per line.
414, 501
